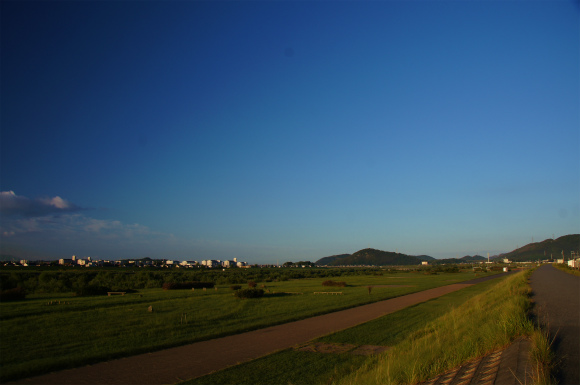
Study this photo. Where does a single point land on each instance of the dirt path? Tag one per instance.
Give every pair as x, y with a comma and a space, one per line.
557, 306
186, 362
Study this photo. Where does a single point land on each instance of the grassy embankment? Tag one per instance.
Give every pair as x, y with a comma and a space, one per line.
567, 269
472, 321
484, 323
46, 333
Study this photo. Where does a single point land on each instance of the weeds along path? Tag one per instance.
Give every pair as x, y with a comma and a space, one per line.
557, 307
186, 362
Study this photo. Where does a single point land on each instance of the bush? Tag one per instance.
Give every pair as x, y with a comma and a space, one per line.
249, 293
16, 294
91, 290
236, 287
334, 283
187, 285
252, 284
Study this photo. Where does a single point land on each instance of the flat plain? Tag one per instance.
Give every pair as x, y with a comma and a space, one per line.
51, 332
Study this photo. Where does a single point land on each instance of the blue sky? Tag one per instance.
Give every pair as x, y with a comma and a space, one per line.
281, 131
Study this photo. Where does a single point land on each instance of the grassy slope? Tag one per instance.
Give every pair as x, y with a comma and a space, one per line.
38, 337
483, 323
567, 269
297, 367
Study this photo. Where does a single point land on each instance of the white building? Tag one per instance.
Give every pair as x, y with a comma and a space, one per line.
210, 263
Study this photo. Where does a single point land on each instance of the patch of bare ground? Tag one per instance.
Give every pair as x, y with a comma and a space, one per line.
336, 348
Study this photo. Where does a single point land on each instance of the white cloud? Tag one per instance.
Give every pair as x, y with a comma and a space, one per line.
57, 227
12, 205
68, 234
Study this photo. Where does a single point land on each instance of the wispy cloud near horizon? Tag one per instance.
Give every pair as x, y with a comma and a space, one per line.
56, 227
12, 205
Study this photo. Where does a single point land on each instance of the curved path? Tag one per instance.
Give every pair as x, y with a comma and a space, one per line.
190, 361
557, 307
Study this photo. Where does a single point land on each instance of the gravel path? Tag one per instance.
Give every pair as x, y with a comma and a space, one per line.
557, 307
190, 361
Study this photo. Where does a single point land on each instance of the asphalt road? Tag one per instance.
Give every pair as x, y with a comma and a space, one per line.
557, 307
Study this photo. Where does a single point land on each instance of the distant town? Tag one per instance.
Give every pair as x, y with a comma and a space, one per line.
573, 262
144, 262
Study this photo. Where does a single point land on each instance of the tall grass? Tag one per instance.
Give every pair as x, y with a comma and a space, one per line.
482, 324
542, 358
306, 368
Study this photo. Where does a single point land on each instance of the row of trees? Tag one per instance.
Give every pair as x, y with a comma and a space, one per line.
87, 281
99, 280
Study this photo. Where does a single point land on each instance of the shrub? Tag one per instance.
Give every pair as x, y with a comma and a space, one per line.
236, 287
187, 285
249, 293
91, 290
252, 284
15, 294
334, 283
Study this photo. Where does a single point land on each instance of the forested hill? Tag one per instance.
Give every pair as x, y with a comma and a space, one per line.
372, 257
549, 248
328, 260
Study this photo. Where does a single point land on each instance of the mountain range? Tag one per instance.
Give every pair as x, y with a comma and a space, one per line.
530, 252
373, 257
547, 249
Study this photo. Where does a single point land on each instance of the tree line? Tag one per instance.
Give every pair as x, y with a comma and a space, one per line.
96, 281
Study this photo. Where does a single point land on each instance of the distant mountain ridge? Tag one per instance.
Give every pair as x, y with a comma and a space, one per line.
373, 257
328, 260
547, 249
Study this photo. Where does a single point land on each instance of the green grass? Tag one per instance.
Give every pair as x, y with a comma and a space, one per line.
299, 367
38, 337
483, 323
567, 269
542, 358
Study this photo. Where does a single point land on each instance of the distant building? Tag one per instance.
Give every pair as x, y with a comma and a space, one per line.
424, 263
210, 263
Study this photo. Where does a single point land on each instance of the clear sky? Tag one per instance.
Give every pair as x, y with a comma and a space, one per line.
287, 130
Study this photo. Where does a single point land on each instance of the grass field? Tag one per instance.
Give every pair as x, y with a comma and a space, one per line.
46, 333
299, 367
483, 323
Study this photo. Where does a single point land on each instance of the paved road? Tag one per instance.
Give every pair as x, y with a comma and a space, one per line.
557, 306
185, 362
